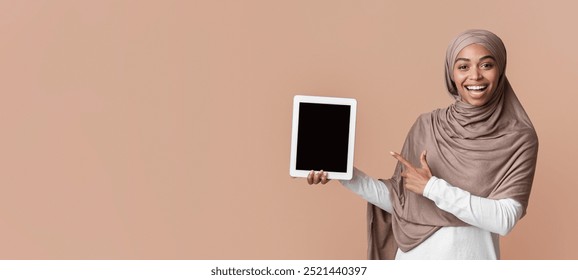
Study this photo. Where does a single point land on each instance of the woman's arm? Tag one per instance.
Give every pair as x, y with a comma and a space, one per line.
497, 216
370, 189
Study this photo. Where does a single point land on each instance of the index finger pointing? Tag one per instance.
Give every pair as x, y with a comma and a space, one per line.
402, 160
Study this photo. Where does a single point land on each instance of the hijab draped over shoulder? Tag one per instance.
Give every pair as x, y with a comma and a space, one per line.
489, 151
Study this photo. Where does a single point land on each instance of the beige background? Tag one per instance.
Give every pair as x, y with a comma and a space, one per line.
161, 129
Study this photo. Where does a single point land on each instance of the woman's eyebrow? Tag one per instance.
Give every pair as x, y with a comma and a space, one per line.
487, 56
461, 58
481, 58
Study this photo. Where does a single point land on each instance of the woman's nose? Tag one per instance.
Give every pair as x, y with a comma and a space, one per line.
475, 74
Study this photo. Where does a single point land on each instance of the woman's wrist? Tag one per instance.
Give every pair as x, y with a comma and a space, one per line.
429, 185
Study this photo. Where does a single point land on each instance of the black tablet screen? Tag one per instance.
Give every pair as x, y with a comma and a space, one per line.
323, 137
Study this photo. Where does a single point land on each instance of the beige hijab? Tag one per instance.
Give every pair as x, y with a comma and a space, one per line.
489, 151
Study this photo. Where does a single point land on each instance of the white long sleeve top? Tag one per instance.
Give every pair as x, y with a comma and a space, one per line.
488, 218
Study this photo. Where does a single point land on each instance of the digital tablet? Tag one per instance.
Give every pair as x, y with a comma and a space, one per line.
323, 136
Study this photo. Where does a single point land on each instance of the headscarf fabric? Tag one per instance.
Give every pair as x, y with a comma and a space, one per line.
489, 151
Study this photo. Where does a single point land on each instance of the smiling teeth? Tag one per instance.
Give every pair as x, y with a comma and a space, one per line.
476, 87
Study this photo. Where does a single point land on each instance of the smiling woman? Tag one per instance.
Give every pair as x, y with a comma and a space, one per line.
475, 73
464, 175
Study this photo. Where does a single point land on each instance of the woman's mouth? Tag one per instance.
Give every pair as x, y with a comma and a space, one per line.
477, 88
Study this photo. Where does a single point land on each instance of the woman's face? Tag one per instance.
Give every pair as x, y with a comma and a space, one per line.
475, 74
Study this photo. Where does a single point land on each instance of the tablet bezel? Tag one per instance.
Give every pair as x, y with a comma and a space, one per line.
294, 172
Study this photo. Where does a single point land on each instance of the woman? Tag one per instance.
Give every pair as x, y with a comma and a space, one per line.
465, 172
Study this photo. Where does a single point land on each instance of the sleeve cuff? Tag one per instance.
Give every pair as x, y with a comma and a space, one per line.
354, 179
428, 187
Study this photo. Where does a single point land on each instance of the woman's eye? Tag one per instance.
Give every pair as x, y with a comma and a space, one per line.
487, 66
462, 67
